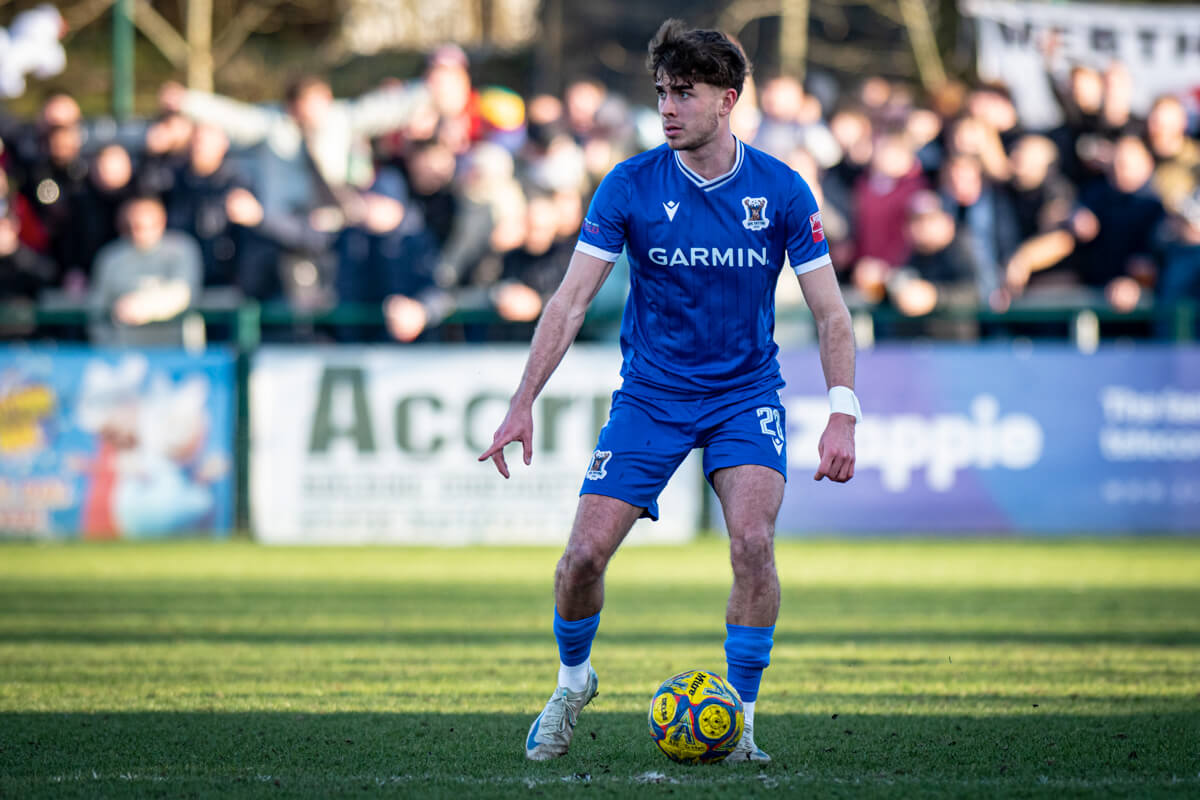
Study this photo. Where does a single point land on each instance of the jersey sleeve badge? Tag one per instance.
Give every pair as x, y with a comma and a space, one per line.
818, 232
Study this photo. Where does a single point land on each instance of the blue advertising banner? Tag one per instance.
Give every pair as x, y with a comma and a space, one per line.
115, 444
995, 439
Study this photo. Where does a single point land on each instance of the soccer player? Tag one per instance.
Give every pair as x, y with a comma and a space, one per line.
707, 222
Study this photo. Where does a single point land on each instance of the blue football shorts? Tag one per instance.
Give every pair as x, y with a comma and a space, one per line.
646, 440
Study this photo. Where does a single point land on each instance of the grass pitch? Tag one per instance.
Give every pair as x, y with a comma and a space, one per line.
900, 669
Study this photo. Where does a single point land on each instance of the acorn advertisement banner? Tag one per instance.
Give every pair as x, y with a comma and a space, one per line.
99, 444
1000, 439
380, 444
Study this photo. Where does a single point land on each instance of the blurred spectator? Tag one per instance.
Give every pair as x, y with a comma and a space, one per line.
832, 199
144, 281
1180, 251
881, 199
1176, 155
853, 133
941, 272
56, 171
24, 272
873, 95
744, 120
974, 137
924, 129
1042, 198
317, 156
1110, 239
1116, 113
490, 205
332, 135
430, 167
601, 123
1077, 137
165, 152
502, 117
457, 122
196, 205
790, 119
534, 270
1128, 213
550, 158
16, 205
387, 250
986, 220
95, 207
993, 105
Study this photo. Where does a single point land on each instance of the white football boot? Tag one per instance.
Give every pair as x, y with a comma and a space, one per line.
550, 735
747, 750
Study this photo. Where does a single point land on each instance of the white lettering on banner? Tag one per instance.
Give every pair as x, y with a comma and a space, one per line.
941, 444
1167, 444
1151, 491
374, 445
1123, 406
1160, 46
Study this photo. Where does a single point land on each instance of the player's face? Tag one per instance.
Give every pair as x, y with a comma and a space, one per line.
690, 113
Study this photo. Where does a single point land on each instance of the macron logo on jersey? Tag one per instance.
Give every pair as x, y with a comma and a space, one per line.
671, 206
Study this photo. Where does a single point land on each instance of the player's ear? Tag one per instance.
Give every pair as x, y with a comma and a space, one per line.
729, 98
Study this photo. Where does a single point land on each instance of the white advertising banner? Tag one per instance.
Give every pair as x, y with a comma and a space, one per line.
380, 445
1160, 45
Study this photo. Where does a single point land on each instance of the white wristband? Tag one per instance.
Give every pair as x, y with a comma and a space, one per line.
842, 400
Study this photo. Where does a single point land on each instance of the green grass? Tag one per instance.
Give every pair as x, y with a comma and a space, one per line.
900, 669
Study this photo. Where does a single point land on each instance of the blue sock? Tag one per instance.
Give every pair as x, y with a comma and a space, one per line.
575, 638
747, 652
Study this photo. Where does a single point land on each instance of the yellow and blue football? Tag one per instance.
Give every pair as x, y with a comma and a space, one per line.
696, 717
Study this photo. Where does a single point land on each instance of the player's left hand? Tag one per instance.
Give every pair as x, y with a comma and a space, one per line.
836, 449
517, 427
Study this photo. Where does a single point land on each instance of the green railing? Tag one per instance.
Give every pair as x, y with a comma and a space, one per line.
246, 321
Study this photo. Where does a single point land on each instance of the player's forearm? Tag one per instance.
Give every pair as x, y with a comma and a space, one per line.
835, 336
559, 325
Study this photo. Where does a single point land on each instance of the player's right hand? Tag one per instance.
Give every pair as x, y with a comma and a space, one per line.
517, 427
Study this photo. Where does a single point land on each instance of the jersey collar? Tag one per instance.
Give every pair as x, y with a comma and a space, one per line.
720, 180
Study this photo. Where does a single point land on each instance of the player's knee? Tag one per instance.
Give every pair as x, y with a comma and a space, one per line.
751, 552
582, 564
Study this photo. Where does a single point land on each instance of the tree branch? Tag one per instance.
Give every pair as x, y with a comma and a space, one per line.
740, 13
83, 14
160, 33
238, 30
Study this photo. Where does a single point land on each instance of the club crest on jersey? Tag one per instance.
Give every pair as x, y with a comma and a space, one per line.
756, 218
597, 469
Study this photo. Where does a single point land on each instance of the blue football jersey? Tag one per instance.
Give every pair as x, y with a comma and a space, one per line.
704, 259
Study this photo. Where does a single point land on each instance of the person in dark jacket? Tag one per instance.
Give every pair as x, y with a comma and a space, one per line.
196, 204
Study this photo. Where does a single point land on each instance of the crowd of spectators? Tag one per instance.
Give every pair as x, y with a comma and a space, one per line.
437, 194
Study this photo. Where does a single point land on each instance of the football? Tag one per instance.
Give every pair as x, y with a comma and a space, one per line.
696, 717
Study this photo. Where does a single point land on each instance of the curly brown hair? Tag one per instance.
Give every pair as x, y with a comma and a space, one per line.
697, 56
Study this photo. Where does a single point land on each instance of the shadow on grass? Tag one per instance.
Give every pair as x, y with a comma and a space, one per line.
218, 613
470, 755
1181, 637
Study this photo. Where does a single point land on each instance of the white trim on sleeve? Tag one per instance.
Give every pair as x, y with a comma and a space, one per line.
596, 252
816, 263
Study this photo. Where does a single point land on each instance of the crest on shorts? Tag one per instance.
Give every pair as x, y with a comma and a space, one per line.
597, 469
756, 217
